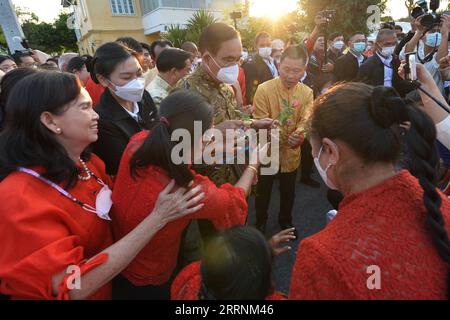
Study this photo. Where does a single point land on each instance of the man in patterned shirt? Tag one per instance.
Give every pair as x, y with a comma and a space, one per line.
221, 49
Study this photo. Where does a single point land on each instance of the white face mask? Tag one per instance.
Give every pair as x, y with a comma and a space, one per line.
132, 91
265, 52
388, 51
433, 39
228, 75
103, 203
323, 173
244, 55
339, 45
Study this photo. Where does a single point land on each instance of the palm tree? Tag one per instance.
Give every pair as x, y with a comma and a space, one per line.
176, 34
197, 23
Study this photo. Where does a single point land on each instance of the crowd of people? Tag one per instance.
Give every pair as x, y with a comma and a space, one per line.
88, 181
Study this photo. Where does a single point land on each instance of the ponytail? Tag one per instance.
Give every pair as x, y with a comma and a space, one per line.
180, 110
157, 150
388, 109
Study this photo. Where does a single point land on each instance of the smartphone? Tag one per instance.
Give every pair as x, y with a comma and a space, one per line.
411, 67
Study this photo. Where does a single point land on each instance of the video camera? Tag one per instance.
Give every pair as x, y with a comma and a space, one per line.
428, 19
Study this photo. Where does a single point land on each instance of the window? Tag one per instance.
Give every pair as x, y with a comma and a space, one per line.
123, 7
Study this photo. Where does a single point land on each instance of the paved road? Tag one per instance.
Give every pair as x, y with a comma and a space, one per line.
309, 214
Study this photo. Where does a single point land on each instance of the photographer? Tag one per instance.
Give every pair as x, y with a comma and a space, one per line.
439, 116
435, 46
315, 44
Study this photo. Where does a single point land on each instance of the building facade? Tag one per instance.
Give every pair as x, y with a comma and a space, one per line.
98, 21
158, 15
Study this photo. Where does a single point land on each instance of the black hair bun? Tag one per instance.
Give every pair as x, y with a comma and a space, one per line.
387, 107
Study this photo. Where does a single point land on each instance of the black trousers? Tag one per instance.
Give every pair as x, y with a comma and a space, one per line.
125, 290
287, 197
307, 161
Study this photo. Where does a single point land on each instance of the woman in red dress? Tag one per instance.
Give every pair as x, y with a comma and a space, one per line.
146, 168
390, 237
55, 197
237, 266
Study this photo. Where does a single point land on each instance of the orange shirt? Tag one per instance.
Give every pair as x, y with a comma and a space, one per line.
42, 233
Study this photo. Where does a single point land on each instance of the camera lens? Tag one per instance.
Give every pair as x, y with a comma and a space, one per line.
417, 12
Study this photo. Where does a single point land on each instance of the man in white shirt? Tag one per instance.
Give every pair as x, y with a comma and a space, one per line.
381, 68
172, 65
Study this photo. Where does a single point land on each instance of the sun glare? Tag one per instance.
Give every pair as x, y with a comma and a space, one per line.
272, 8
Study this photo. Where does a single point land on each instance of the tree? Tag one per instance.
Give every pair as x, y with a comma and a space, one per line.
197, 23
195, 26
176, 34
54, 38
350, 16
410, 5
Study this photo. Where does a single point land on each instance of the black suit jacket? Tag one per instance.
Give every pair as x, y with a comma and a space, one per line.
346, 68
116, 127
372, 72
256, 72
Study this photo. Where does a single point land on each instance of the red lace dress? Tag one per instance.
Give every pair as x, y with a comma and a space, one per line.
134, 199
186, 285
384, 228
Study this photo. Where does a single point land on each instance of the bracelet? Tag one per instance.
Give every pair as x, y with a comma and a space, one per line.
253, 169
248, 124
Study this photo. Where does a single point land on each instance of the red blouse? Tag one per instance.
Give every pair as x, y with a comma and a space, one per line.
42, 233
384, 227
95, 91
134, 200
187, 284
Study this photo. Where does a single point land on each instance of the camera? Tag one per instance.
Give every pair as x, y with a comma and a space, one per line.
428, 19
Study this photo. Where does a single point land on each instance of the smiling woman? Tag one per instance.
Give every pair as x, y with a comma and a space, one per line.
271, 9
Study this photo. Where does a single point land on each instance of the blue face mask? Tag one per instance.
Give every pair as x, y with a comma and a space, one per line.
433, 39
359, 47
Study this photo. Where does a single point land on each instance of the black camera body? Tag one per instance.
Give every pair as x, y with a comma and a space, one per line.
428, 19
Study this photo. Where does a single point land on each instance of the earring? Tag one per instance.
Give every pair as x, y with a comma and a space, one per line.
58, 131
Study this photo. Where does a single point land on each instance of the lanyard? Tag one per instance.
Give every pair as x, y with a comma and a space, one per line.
61, 190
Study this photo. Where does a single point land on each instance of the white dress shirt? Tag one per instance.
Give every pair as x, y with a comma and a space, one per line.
388, 70
135, 113
272, 66
359, 58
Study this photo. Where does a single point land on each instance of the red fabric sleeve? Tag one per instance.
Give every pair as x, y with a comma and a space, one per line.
316, 276
46, 249
85, 267
186, 285
309, 45
225, 207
